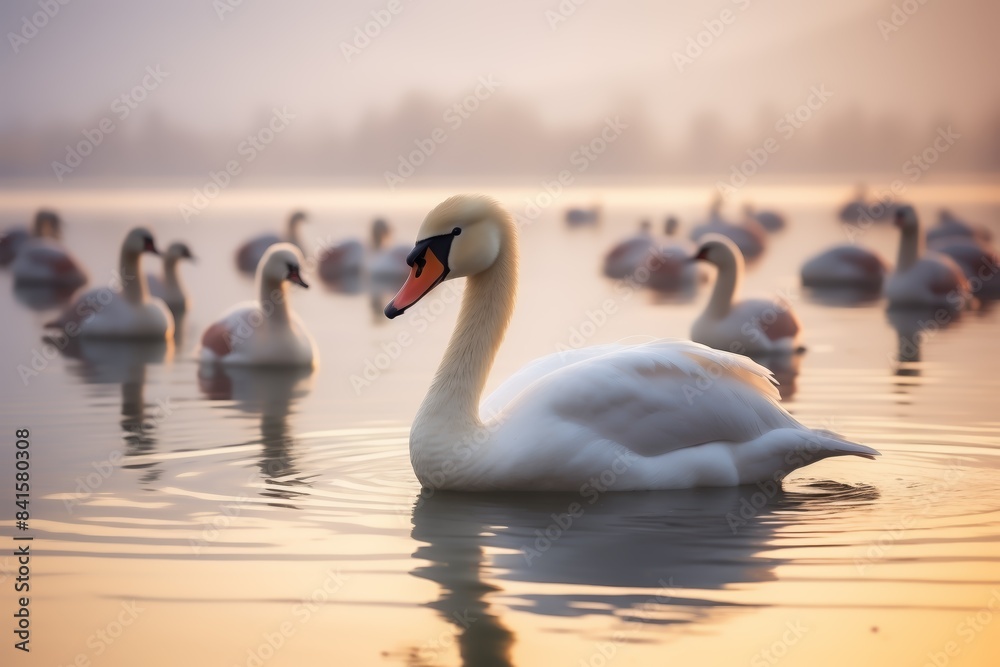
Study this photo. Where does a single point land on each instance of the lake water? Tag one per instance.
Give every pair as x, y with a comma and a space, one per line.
273, 519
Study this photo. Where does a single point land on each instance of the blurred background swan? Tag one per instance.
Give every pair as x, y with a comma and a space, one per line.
749, 236
124, 308
265, 332
169, 285
249, 254
923, 279
46, 224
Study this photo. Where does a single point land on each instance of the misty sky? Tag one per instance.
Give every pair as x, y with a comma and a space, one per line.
606, 56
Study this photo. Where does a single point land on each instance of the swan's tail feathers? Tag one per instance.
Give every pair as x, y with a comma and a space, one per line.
836, 445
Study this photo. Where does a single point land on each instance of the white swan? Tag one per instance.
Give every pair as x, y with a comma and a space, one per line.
749, 236
39, 258
249, 254
387, 263
663, 415
169, 287
860, 209
383, 263
46, 225
951, 228
124, 308
671, 269
752, 326
265, 332
629, 254
845, 265
923, 279
771, 221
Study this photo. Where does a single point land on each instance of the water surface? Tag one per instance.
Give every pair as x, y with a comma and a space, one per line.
272, 518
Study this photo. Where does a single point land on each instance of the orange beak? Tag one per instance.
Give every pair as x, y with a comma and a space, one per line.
425, 275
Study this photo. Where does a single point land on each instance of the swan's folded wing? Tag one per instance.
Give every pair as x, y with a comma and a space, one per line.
655, 398
536, 370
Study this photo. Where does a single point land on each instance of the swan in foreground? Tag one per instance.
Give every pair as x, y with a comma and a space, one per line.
169, 287
846, 265
753, 326
249, 254
123, 309
923, 279
46, 225
264, 332
661, 415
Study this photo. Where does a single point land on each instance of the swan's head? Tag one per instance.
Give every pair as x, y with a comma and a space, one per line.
460, 237
138, 241
670, 226
380, 232
296, 217
47, 225
281, 262
718, 250
645, 227
906, 218
177, 251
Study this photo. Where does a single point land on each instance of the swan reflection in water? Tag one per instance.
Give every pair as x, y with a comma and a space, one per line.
43, 297
914, 327
103, 362
680, 547
271, 393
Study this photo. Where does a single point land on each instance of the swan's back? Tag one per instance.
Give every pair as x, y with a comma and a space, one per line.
652, 398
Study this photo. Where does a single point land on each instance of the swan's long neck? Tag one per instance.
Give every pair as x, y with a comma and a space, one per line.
452, 403
133, 281
171, 278
274, 299
293, 233
910, 248
727, 285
